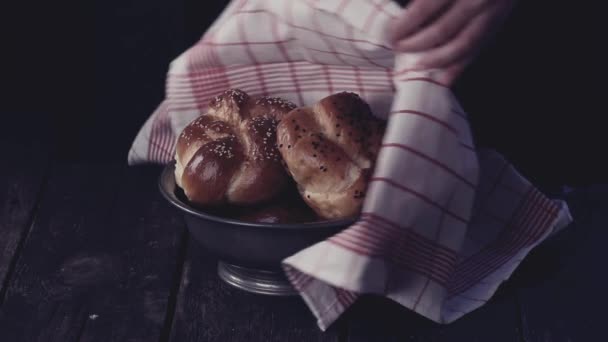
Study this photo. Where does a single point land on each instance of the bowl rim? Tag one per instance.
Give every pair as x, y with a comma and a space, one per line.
167, 185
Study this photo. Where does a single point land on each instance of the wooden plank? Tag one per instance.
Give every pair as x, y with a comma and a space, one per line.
22, 174
150, 237
44, 297
563, 283
209, 310
379, 319
100, 261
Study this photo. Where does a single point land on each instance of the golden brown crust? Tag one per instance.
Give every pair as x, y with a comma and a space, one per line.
330, 150
229, 154
210, 170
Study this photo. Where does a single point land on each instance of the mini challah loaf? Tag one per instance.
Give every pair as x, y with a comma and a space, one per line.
330, 150
229, 154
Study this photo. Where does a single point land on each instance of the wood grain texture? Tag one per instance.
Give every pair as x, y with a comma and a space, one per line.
22, 175
562, 285
99, 262
148, 235
57, 272
210, 310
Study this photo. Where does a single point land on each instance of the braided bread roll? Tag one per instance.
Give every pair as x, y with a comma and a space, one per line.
229, 154
330, 151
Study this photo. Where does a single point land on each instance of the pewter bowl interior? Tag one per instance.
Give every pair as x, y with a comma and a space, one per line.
253, 245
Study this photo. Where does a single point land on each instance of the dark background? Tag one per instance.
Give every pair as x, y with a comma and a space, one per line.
89, 75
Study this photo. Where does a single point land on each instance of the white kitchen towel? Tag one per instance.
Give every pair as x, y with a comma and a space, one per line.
443, 223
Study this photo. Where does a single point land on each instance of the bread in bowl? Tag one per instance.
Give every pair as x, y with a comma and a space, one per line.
229, 154
330, 150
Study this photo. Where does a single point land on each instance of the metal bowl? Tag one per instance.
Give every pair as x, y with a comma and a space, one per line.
249, 254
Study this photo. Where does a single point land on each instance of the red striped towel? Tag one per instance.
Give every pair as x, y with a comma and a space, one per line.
443, 223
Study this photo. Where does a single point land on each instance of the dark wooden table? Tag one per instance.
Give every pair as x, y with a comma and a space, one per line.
91, 252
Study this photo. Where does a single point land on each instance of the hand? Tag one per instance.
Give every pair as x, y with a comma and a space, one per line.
448, 33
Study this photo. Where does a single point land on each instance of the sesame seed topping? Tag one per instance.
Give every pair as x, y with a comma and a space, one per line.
282, 103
